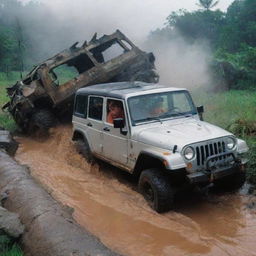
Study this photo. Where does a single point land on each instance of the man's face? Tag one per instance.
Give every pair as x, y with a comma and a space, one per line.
115, 111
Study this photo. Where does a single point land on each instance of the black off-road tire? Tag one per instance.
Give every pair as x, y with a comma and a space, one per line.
83, 148
42, 119
232, 182
156, 189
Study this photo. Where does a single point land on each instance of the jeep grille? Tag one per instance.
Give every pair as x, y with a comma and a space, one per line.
211, 149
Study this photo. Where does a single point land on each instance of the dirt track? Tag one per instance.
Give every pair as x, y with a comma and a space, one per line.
106, 203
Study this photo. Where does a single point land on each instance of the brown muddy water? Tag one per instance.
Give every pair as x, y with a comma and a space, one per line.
106, 202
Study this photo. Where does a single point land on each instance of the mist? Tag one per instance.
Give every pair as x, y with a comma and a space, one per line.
55, 25
181, 64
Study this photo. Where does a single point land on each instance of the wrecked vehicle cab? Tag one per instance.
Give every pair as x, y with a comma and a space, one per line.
48, 90
155, 133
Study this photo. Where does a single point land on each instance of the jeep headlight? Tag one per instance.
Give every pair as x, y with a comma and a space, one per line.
189, 153
231, 142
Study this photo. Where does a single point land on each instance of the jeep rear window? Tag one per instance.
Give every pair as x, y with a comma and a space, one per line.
81, 106
95, 108
160, 106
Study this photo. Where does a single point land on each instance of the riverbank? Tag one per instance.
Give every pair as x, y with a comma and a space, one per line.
49, 226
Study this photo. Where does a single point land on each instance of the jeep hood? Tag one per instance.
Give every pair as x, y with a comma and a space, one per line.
181, 133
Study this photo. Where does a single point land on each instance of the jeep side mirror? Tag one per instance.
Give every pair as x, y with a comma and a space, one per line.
200, 111
118, 123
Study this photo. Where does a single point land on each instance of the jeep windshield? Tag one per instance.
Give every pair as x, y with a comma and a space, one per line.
160, 106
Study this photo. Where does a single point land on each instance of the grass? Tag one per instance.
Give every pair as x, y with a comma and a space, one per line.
8, 247
13, 251
6, 120
225, 108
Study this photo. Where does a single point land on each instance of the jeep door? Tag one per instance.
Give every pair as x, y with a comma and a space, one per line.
95, 124
115, 143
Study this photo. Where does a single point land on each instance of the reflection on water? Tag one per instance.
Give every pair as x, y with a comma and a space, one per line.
105, 201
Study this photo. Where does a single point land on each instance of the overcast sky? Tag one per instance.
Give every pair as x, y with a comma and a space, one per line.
134, 17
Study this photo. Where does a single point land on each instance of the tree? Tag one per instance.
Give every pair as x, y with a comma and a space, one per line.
198, 24
207, 4
240, 26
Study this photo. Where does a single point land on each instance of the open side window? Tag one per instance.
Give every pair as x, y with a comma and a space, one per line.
71, 69
108, 51
114, 109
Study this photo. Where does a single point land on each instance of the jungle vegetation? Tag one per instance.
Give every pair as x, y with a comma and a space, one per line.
231, 36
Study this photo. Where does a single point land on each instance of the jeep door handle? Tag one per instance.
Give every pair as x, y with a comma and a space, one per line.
106, 129
89, 124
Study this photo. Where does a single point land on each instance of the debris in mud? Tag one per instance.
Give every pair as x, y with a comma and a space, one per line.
47, 92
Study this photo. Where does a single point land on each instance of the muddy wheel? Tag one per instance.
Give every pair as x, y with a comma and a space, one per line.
42, 119
231, 182
83, 148
156, 189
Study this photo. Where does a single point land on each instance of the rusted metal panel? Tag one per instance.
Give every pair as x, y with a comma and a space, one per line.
111, 58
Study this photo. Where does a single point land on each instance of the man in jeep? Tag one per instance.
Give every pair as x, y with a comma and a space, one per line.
115, 110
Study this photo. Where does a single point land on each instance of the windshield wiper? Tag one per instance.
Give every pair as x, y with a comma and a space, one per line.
150, 119
170, 114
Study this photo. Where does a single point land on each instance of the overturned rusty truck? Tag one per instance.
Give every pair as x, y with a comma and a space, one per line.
46, 93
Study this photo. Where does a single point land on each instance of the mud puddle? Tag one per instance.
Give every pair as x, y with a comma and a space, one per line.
105, 201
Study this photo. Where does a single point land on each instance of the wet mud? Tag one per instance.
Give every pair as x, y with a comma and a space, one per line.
106, 202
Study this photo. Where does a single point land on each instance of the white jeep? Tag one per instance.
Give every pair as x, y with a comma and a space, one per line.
156, 133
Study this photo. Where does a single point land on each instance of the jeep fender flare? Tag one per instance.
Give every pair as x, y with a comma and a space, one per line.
80, 134
158, 158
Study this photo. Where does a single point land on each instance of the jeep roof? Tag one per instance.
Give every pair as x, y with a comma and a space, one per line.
125, 89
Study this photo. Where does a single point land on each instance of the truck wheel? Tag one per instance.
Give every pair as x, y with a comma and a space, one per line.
42, 119
231, 182
156, 189
83, 148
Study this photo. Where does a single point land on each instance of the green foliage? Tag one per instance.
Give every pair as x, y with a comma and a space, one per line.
240, 25
5, 241
6, 120
207, 4
228, 31
18, 49
13, 251
8, 247
198, 25
251, 173
8, 49
244, 64
231, 36
243, 127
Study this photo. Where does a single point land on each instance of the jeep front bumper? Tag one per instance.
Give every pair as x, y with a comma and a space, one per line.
211, 174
